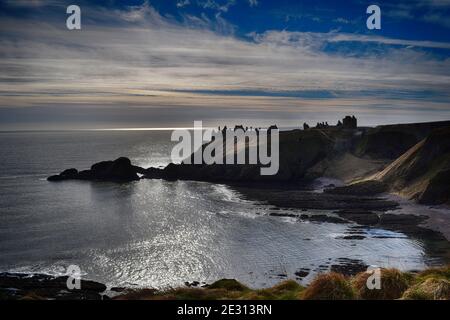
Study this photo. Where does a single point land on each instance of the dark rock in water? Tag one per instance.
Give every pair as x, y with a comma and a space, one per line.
85, 175
282, 214
70, 172
322, 218
365, 188
24, 286
322, 268
65, 175
359, 216
302, 272
389, 219
299, 199
349, 267
192, 284
353, 237
120, 169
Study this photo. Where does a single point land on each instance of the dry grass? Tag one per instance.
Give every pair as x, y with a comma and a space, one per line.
430, 289
393, 284
329, 286
286, 290
439, 273
429, 284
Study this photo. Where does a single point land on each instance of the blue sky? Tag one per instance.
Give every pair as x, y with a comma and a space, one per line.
169, 62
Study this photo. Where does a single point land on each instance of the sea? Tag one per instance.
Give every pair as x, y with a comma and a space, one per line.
160, 234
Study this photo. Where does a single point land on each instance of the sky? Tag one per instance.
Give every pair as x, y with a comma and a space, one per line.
166, 63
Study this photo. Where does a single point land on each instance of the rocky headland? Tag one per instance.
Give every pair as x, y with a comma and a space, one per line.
411, 160
120, 170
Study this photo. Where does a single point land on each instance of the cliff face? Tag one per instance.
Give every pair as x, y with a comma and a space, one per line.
422, 172
299, 151
391, 141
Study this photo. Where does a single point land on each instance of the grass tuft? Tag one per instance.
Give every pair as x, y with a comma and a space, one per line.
429, 284
429, 289
228, 284
393, 284
329, 286
436, 273
286, 290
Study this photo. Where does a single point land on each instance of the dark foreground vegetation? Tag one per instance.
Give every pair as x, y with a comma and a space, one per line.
431, 284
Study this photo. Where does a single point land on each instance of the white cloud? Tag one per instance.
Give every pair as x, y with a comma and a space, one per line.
341, 20
183, 3
139, 13
140, 57
220, 5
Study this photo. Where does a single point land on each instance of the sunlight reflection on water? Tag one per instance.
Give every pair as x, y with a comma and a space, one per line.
159, 233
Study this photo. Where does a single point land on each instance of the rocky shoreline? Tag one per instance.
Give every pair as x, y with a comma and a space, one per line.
21, 286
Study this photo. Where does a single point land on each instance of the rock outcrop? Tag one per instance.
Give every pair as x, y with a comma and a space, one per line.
17, 286
120, 170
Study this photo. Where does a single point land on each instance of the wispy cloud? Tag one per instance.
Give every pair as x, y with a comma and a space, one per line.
183, 3
141, 58
220, 5
432, 11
